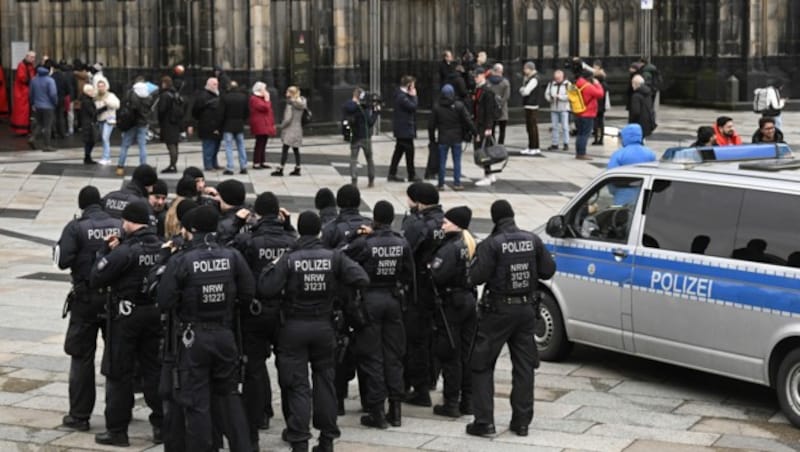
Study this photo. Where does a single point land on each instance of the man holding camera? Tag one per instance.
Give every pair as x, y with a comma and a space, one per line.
362, 114
404, 123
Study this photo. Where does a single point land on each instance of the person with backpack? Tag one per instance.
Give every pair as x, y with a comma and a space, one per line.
451, 119
530, 99
556, 95
501, 88
171, 111
292, 129
132, 122
106, 104
585, 110
234, 108
768, 102
362, 118
484, 109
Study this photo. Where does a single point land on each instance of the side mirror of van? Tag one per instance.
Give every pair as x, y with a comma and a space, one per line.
556, 227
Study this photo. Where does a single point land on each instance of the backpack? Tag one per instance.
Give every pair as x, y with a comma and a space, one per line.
177, 110
760, 100
575, 97
126, 117
307, 117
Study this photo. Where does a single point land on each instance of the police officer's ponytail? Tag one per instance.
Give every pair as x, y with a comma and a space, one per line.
469, 240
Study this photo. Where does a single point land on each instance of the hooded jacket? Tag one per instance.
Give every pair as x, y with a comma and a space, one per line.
758, 137
724, 140
451, 119
107, 104
632, 151
641, 110
500, 86
140, 102
292, 125
43, 93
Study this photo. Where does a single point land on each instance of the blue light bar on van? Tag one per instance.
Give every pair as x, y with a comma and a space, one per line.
727, 153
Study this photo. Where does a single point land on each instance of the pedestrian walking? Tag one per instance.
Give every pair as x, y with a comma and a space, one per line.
292, 129
404, 127
234, 109
262, 123
484, 106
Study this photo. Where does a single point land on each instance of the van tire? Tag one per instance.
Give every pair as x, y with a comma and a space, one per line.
787, 386
551, 336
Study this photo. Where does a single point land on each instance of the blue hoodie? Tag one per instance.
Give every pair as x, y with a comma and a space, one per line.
43, 94
632, 152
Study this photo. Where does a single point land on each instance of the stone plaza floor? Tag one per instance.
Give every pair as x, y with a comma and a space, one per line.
594, 400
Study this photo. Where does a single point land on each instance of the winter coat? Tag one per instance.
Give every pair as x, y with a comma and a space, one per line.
234, 108
140, 102
205, 112
81, 79
633, 151
451, 119
592, 94
445, 69
107, 105
724, 140
43, 93
456, 80
292, 124
530, 92
758, 137
641, 110
500, 86
556, 95
170, 131
88, 118
361, 119
262, 118
404, 119
483, 108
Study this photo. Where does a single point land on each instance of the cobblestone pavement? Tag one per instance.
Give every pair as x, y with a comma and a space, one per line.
595, 400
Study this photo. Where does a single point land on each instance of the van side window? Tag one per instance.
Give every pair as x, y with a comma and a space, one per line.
606, 213
768, 229
692, 218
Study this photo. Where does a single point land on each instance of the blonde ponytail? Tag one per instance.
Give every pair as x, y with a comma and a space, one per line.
469, 240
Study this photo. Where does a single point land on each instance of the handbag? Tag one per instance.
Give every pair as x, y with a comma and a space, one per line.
491, 154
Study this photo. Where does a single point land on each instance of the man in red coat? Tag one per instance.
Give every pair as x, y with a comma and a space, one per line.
21, 112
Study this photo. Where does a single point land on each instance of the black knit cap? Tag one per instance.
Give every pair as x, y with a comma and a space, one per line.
183, 209
160, 188
87, 196
136, 212
145, 175
427, 194
411, 191
194, 172
309, 223
187, 187
501, 209
267, 204
232, 192
324, 198
722, 120
459, 216
348, 197
383, 212
204, 219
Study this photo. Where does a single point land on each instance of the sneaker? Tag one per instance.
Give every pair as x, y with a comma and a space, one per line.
393, 178
243, 171
566, 147
120, 171
553, 147
493, 178
485, 182
458, 187
169, 170
441, 187
89, 162
227, 172
104, 162
371, 183
536, 151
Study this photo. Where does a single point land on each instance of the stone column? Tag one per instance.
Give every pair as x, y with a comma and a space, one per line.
260, 44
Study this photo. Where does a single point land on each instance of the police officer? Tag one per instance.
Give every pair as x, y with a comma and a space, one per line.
270, 238
76, 250
138, 189
204, 284
455, 300
134, 331
308, 276
336, 232
380, 346
159, 205
231, 196
424, 234
510, 261
325, 203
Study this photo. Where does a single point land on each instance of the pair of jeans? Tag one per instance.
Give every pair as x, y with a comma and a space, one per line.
443, 148
560, 126
366, 145
228, 137
140, 134
209, 151
584, 126
105, 135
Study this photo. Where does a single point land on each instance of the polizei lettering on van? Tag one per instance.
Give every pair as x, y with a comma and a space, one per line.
679, 284
211, 265
517, 247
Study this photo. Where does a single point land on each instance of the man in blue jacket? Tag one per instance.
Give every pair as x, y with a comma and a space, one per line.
44, 98
631, 153
404, 123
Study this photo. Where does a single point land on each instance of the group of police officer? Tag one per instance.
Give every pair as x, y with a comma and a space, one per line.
193, 319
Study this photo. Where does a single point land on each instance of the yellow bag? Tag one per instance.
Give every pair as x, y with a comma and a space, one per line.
575, 98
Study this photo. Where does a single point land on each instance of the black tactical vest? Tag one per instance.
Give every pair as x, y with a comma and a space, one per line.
144, 253
312, 282
515, 272
209, 286
92, 232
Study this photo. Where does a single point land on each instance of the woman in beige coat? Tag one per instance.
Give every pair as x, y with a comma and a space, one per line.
292, 129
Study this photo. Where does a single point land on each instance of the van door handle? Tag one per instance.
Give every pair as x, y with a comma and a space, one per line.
619, 254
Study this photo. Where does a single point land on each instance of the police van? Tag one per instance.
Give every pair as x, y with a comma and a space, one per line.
694, 261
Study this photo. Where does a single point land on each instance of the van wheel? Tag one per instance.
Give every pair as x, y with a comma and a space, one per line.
787, 386
550, 334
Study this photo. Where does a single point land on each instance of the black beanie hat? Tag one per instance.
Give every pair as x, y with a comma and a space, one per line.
204, 219
501, 209
348, 197
193, 172
145, 175
160, 188
383, 212
187, 187
427, 194
88, 195
232, 192
183, 208
459, 216
411, 191
267, 204
324, 198
308, 223
722, 120
137, 212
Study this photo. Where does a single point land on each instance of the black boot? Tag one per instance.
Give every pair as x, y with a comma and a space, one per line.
112, 439
340, 408
158, 438
324, 445
476, 429
394, 416
447, 409
301, 447
81, 425
375, 419
465, 407
419, 397
277, 172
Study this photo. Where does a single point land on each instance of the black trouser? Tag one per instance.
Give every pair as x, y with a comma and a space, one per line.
418, 324
80, 344
303, 341
380, 349
173, 154
532, 127
403, 146
134, 338
60, 119
501, 139
513, 325
459, 308
44, 128
285, 155
209, 376
174, 424
257, 337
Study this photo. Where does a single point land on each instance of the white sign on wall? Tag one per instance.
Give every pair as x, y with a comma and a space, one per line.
647, 4
18, 51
